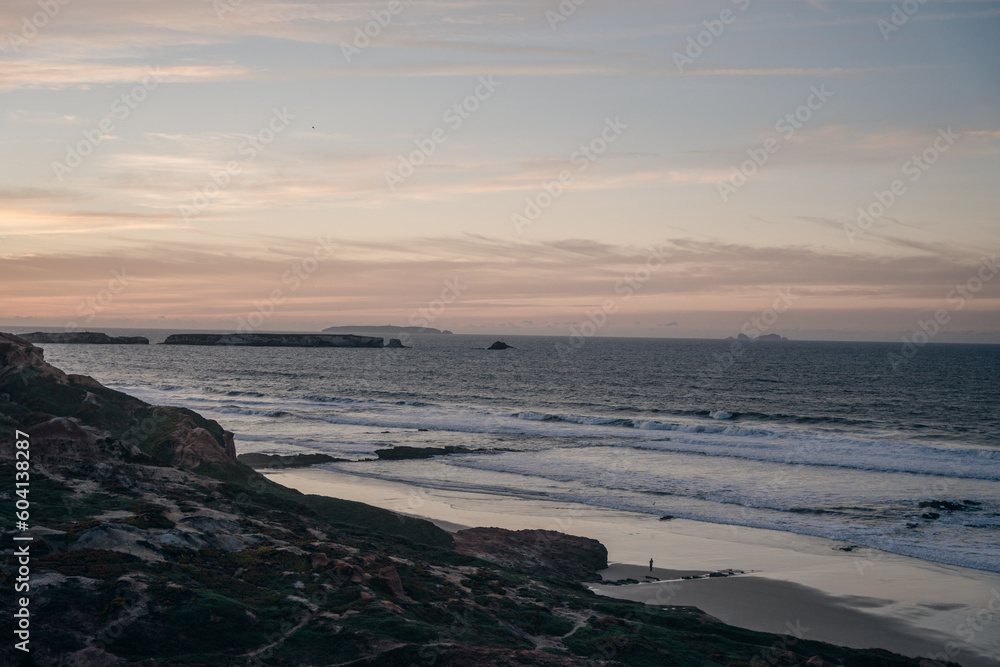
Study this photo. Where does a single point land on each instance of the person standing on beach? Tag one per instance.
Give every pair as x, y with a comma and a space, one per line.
650, 564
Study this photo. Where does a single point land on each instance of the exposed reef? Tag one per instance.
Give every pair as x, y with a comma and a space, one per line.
402, 452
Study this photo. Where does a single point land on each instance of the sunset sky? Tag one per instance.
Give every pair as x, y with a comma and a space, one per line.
116, 116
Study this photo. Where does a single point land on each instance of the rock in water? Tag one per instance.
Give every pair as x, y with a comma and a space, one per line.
403, 452
499, 345
396, 344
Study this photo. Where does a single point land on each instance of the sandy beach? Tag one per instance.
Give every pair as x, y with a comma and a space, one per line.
799, 586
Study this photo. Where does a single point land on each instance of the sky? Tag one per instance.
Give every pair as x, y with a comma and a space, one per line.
821, 169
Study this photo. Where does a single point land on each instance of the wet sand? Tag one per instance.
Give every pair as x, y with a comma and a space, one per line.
793, 585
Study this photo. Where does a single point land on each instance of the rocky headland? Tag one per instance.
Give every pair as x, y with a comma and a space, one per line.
274, 340
83, 338
154, 546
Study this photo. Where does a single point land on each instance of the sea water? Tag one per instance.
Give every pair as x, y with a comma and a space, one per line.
826, 439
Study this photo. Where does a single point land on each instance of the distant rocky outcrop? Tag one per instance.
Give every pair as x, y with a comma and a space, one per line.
276, 461
83, 338
546, 552
500, 345
763, 337
385, 330
397, 344
403, 452
274, 340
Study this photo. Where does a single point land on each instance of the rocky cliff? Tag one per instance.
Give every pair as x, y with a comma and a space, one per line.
36, 395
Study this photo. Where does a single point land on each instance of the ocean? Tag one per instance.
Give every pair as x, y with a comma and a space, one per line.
823, 439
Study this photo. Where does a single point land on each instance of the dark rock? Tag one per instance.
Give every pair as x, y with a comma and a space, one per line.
540, 552
499, 345
403, 452
763, 337
274, 340
396, 344
391, 577
947, 505
666, 517
272, 461
930, 515
83, 338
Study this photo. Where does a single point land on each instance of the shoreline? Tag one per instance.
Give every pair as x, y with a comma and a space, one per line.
800, 586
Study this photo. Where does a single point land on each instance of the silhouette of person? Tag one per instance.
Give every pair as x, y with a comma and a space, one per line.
650, 564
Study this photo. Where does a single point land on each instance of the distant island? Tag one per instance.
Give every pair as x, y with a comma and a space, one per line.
274, 340
386, 330
764, 337
83, 338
